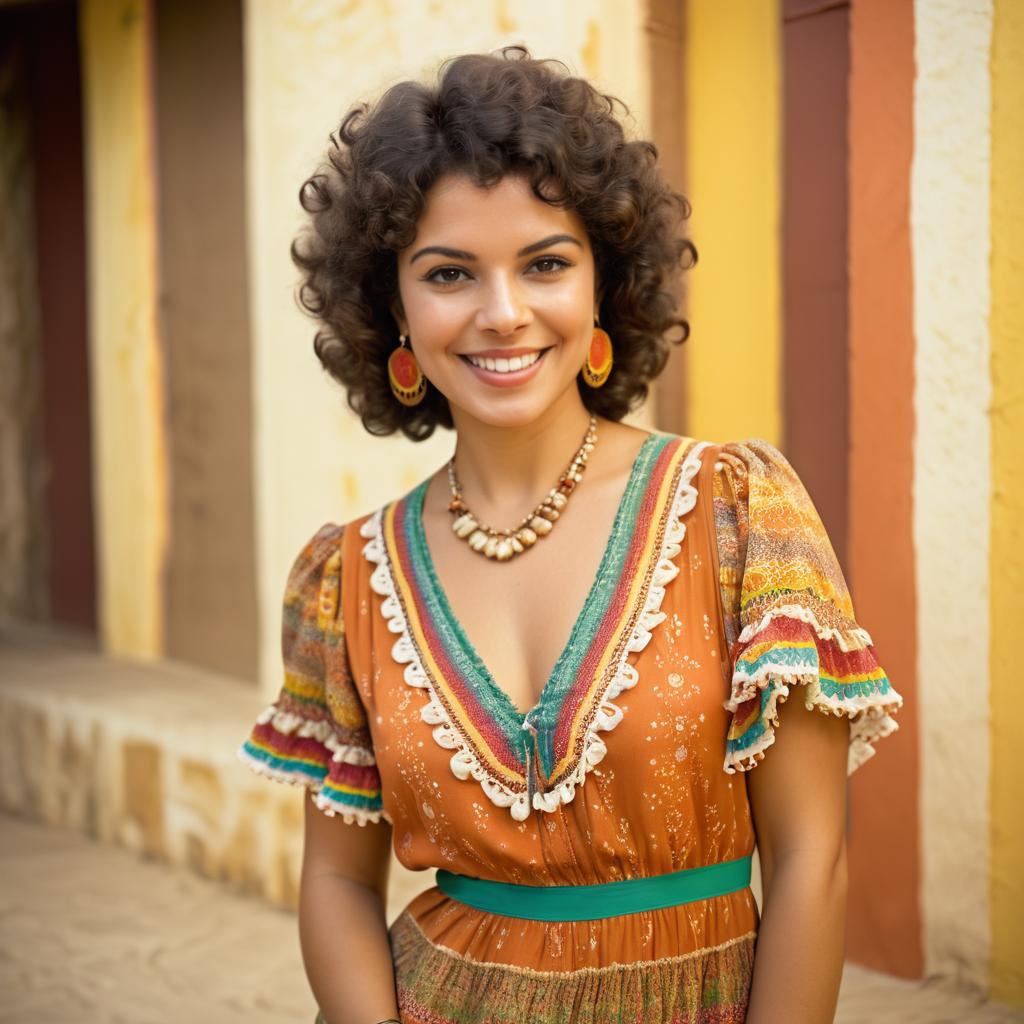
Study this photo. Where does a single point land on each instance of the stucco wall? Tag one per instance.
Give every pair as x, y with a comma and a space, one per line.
306, 64
952, 475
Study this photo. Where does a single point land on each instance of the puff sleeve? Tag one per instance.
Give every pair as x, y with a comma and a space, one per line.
315, 732
788, 615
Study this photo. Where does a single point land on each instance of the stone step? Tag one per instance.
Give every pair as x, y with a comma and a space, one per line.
142, 755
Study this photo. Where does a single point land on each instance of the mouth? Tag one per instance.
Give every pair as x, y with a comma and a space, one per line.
514, 367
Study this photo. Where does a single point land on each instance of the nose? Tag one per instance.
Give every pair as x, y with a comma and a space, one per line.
503, 309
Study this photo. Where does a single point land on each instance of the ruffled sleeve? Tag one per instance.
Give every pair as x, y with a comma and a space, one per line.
315, 732
788, 615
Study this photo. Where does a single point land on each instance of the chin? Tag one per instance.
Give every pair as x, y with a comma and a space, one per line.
506, 411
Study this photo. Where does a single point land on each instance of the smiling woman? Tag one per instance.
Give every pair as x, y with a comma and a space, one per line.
521, 125
552, 713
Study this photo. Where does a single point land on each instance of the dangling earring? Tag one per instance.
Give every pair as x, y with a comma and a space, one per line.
407, 380
598, 364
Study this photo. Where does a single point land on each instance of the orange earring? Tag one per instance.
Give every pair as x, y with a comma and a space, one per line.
407, 381
598, 365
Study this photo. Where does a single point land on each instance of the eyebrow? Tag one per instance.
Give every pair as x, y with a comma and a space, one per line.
461, 254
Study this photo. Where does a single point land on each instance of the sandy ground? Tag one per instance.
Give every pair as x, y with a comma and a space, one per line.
90, 933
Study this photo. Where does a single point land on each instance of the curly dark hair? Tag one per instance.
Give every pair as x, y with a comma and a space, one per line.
488, 115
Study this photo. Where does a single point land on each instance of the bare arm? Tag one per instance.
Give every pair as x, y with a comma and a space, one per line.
798, 798
342, 928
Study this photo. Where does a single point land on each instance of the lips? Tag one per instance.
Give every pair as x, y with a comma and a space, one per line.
505, 368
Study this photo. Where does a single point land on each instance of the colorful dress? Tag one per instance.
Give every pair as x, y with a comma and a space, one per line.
718, 592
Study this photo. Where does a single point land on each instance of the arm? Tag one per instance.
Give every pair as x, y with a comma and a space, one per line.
798, 799
342, 928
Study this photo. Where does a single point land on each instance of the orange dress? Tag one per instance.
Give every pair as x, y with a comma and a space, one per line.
717, 593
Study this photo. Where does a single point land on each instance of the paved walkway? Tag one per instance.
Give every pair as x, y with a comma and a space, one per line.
91, 934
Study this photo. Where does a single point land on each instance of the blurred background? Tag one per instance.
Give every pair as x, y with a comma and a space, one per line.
168, 442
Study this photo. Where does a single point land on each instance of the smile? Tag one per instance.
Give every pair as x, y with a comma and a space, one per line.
504, 365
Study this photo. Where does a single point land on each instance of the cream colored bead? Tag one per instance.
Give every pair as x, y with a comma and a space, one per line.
504, 551
540, 526
478, 540
517, 545
526, 536
548, 512
491, 547
464, 525
558, 499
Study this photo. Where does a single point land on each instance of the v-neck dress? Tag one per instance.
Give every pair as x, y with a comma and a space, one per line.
718, 594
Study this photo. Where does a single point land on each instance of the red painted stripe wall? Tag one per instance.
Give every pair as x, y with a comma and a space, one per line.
884, 921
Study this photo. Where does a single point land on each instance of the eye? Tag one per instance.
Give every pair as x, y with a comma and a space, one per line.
445, 275
551, 264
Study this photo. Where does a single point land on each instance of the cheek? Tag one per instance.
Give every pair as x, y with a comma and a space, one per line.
435, 321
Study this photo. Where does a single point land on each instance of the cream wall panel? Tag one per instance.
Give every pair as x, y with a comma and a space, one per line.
952, 476
306, 62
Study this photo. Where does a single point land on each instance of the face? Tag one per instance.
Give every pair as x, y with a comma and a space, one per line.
498, 300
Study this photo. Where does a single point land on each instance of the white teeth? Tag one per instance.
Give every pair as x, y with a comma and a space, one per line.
504, 365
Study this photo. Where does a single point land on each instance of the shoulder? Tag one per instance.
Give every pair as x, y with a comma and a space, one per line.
332, 549
751, 455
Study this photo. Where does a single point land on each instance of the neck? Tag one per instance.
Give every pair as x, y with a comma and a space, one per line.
505, 470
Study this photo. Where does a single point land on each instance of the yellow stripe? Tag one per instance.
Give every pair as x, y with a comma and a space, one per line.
1006, 323
126, 362
464, 723
732, 119
333, 786
302, 686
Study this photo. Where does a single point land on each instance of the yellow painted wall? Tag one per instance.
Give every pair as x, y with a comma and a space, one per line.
733, 147
1007, 543
307, 62
127, 384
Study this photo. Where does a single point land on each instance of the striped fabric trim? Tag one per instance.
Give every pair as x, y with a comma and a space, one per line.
470, 714
840, 677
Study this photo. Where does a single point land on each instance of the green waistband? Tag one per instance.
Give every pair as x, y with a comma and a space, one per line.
593, 902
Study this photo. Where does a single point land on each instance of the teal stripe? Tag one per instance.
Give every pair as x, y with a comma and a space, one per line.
355, 800
784, 656
311, 771
595, 902
859, 688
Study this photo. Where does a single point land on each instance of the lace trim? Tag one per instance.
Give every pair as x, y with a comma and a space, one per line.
330, 807
464, 762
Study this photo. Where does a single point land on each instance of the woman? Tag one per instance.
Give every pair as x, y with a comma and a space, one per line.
553, 710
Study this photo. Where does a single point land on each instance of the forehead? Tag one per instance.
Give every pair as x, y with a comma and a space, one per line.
508, 215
